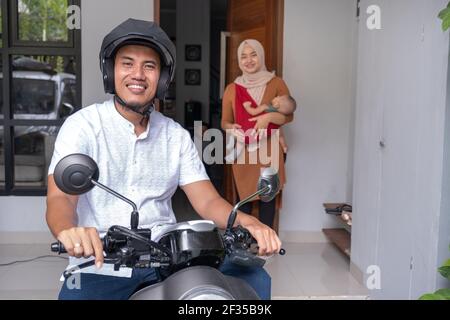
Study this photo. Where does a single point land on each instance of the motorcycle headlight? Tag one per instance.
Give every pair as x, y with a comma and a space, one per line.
207, 293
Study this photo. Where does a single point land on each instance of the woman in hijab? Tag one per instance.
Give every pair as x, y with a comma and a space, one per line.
257, 86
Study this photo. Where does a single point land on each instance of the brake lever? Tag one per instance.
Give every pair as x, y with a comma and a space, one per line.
69, 272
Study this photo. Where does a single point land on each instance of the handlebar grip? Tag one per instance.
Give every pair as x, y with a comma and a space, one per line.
58, 247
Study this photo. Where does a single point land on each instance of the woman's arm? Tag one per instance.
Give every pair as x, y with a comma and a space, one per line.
262, 121
279, 118
227, 120
283, 142
283, 90
254, 111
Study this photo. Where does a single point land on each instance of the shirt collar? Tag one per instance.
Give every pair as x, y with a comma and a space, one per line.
127, 125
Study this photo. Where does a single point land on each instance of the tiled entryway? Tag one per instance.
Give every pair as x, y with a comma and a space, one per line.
307, 271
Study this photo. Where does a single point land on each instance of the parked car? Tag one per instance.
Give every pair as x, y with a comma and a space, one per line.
38, 93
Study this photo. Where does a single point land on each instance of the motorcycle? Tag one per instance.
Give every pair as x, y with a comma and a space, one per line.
187, 254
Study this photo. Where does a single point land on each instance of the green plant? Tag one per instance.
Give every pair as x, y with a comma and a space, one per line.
442, 294
444, 15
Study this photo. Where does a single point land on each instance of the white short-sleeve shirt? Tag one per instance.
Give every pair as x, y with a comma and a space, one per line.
146, 169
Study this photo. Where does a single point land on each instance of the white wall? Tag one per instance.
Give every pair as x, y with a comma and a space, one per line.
98, 18
444, 221
319, 49
398, 189
22, 214
193, 27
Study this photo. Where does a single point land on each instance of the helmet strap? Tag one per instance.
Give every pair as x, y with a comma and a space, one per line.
144, 110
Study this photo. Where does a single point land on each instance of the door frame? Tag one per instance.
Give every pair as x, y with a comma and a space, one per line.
157, 11
279, 24
278, 36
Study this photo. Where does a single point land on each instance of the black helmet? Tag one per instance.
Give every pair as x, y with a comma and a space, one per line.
144, 33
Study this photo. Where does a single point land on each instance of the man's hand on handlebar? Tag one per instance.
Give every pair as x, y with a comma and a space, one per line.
82, 242
268, 241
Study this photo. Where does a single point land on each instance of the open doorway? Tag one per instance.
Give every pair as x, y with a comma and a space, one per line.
194, 95
198, 28
195, 28
207, 35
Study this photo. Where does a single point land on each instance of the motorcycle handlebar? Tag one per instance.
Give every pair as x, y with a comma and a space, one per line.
58, 247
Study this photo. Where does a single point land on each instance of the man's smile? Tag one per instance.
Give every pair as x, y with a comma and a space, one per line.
137, 88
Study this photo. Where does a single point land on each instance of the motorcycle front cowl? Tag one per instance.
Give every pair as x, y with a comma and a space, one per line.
198, 283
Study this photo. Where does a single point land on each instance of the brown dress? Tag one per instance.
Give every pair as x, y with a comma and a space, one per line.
246, 176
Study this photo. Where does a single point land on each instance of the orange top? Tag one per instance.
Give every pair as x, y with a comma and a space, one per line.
246, 176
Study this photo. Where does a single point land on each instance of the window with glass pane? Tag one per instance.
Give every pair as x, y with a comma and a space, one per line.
42, 21
39, 72
43, 87
33, 146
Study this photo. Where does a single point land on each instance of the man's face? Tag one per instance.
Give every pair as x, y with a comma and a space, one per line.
136, 74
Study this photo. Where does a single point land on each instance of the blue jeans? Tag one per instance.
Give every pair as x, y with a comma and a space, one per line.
100, 287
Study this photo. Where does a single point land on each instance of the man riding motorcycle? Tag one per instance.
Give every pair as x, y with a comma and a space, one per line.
142, 154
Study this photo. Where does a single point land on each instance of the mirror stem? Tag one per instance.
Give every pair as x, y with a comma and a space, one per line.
134, 215
233, 215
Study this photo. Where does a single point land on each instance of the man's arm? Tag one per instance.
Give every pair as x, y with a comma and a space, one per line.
62, 221
211, 206
61, 209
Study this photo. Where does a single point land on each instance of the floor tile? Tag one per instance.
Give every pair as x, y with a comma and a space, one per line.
307, 271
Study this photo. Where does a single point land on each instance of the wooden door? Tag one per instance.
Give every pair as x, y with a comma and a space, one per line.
253, 19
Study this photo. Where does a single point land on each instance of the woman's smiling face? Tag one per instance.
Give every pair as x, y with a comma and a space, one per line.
249, 60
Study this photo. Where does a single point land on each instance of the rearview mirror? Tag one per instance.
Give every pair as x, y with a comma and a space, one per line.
268, 178
74, 174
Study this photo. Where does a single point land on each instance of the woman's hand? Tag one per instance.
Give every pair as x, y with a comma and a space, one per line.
261, 125
262, 121
236, 130
283, 142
